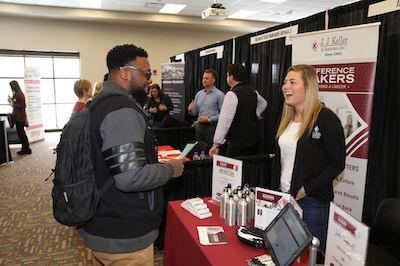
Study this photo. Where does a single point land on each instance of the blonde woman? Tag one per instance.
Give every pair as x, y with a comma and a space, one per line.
98, 87
310, 149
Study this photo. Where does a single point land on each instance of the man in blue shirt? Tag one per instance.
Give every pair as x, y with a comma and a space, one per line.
206, 106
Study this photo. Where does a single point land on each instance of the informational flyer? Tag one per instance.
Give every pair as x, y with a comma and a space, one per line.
225, 170
268, 204
347, 239
35, 130
345, 62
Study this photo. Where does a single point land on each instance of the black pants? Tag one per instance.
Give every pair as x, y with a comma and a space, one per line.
205, 132
242, 151
22, 135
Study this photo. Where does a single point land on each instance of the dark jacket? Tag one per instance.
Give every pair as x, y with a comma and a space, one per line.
160, 115
129, 214
243, 131
19, 106
320, 158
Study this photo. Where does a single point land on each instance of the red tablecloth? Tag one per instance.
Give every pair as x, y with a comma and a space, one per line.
182, 245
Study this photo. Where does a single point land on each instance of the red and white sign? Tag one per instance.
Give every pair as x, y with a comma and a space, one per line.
345, 61
225, 170
347, 239
35, 131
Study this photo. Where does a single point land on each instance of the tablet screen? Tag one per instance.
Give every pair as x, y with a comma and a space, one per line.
287, 236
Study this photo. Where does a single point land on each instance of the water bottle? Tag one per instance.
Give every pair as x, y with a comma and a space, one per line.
196, 156
229, 186
242, 212
239, 191
202, 155
222, 205
246, 188
230, 219
252, 203
235, 195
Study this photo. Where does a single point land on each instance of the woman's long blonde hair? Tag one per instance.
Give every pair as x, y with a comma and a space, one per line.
312, 105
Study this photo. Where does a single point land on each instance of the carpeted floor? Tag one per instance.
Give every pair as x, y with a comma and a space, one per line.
29, 235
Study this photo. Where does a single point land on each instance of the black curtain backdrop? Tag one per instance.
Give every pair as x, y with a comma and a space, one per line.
273, 58
383, 174
195, 66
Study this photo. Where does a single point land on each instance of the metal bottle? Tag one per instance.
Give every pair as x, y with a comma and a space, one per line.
229, 187
235, 195
250, 213
252, 202
230, 219
242, 212
239, 191
222, 205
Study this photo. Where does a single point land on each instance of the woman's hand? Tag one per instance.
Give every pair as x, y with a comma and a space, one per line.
162, 107
153, 110
301, 194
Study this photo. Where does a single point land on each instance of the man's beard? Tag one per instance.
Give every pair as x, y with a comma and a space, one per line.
140, 95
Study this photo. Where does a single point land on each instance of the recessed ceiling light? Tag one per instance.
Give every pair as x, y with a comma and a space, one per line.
171, 9
242, 14
90, 3
274, 1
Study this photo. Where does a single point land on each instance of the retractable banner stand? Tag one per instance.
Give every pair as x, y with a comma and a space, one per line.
173, 85
345, 61
35, 131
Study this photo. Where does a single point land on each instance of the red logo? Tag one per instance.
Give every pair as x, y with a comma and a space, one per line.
315, 46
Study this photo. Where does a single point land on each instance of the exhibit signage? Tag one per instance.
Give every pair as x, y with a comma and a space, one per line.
172, 75
345, 61
347, 239
225, 170
268, 204
219, 50
286, 32
35, 130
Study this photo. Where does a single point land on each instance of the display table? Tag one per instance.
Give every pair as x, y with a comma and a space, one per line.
182, 246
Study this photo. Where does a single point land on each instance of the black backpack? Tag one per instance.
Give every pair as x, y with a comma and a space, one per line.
75, 193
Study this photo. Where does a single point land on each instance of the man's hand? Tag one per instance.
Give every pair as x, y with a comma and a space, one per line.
301, 194
191, 106
177, 165
214, 150
202, 118
162, 107
153, 110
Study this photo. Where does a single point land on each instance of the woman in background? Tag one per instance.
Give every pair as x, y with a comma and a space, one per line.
159, 105
18, 103
98, 87
310, 151
83, 90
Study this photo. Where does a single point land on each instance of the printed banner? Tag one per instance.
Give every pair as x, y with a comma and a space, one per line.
35, 131
347, 239
345, 60
173, 85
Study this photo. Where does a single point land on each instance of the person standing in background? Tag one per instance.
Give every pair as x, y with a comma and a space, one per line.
98, 86
159, 105
239, 119
82, 89
310, 149
18, 103
206, 106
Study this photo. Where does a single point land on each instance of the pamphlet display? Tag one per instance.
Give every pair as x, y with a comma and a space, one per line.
225, 171
347, 239
268, 204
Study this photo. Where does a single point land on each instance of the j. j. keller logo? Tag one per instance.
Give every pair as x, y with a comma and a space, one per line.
315, 46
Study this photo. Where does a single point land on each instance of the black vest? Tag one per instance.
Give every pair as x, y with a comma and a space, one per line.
244, 130
122, 215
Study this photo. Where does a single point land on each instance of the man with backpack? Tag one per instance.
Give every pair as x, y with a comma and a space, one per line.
129, 212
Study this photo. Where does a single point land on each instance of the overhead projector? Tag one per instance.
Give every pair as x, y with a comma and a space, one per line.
215, 12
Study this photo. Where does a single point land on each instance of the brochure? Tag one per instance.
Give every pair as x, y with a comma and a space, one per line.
211, 235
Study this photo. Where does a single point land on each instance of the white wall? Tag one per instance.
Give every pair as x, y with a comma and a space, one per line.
94, 40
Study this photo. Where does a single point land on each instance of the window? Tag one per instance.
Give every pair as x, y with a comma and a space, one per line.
58, 72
